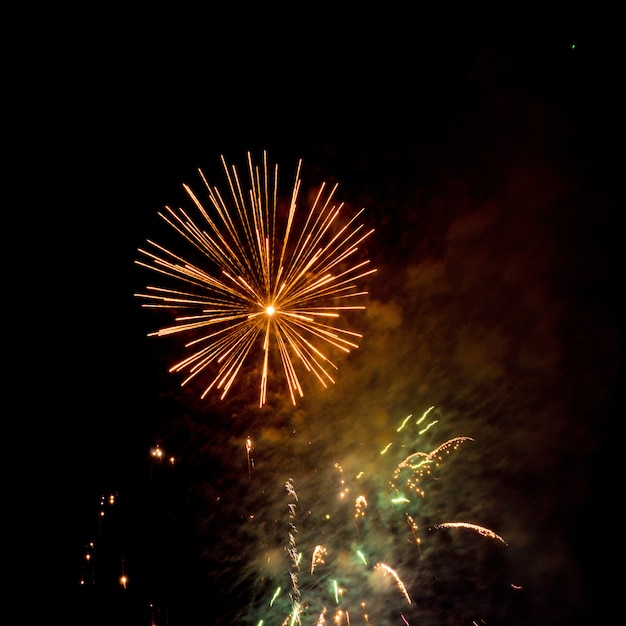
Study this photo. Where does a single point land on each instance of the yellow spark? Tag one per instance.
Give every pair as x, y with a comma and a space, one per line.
413, 527
266, 279
451, 443
425, 413
388, 570
359, 505
421, 432
386, 448
419, 463
318, 557
485, 532
365, 615
406, 419
249, 450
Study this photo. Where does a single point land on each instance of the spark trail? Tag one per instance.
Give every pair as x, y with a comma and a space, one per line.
481, 530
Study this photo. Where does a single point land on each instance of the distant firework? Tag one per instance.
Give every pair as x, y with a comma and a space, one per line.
266, 280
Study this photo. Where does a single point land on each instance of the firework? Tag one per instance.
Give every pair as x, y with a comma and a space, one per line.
267, 279
354, 548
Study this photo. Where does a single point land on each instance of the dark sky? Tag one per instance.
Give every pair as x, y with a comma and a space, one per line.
484, 157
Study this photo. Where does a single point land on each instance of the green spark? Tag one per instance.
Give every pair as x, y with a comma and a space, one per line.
294, 615
275, 596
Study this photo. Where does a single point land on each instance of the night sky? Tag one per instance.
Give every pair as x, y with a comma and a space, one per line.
485, 160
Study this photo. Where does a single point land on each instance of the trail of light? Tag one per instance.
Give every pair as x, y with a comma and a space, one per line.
293, 554
318, 557
260, 277
249, 449
419, 464
485, 532
413, 527
388, 570
344, 491
290, 490
276, 593
321, 619
295, 616
451, 443
359, 506
424, 414
430, 457
406, 419
421, 432
365, 615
